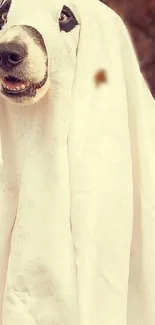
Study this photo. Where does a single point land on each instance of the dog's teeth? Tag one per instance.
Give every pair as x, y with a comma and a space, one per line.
16, 88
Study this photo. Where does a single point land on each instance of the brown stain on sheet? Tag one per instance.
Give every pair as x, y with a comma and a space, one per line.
100, 77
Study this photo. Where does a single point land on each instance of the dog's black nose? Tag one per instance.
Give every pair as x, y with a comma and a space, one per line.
11, 55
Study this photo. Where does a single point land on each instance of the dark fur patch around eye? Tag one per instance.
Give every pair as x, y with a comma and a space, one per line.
5, 5
4, 9
71, 23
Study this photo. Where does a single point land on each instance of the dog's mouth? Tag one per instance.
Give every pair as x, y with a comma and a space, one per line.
12, 86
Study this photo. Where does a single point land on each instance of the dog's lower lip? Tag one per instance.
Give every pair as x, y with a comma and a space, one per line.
13, 85
14, 90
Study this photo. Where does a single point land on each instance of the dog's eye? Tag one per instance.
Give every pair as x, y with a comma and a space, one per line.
67, 20
4, 16
4, 9
63, 18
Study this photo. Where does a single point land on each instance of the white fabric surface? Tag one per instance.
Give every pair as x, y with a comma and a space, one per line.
77, 187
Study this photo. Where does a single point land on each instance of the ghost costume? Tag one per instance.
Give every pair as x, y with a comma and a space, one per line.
77, 182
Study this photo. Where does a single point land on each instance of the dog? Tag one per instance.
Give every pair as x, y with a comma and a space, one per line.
25, 69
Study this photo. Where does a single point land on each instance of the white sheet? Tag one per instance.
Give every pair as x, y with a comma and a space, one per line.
78, 185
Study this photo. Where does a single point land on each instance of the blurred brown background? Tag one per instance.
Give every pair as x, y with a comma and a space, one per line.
139, 16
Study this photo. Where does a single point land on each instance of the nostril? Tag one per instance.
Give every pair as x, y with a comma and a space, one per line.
11, 55
14, 58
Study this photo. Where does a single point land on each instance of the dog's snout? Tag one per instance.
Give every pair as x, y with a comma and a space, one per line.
11, 55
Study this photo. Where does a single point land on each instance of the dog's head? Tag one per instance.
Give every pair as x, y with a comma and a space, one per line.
35, 44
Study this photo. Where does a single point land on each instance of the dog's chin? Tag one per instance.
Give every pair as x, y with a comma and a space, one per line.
24, 93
